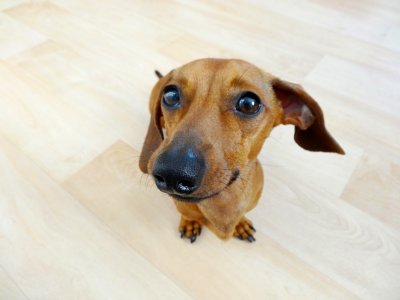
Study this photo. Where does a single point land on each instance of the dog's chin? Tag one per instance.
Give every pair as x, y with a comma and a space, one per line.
193, 199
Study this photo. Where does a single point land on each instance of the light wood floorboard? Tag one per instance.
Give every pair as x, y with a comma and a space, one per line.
79, 221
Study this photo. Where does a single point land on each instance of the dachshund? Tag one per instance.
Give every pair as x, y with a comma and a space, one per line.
209, 121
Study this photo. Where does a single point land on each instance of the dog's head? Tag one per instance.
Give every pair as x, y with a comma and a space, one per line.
210, 118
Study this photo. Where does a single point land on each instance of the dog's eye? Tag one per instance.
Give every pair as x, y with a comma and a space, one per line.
171, 97
248, 104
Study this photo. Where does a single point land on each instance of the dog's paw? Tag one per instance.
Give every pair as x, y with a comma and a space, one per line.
189, 229
244, 230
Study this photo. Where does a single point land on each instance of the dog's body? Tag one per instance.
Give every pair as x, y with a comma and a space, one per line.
216, 115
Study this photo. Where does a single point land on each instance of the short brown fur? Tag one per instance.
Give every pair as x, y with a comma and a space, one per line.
228, 141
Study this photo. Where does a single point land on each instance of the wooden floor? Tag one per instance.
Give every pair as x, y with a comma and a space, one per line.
79, 221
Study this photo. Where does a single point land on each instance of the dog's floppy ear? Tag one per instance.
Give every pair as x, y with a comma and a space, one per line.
301, 110
154, 135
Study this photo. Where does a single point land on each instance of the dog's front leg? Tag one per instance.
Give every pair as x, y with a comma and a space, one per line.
244, 230
191, 221
190, 229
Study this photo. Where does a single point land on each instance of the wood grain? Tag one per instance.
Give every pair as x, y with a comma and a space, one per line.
79, 220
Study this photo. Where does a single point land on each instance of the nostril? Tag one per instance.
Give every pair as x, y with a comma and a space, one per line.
159, 178
160, 182
185, 186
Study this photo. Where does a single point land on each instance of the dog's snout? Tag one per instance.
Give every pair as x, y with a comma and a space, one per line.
179, 170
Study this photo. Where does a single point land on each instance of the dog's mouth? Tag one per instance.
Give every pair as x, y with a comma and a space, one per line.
196, 199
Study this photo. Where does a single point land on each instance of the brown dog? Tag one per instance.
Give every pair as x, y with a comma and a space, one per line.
209, 120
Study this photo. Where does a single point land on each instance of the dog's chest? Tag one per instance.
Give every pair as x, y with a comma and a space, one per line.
223, 212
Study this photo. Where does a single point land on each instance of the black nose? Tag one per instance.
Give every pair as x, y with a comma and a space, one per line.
179, 169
